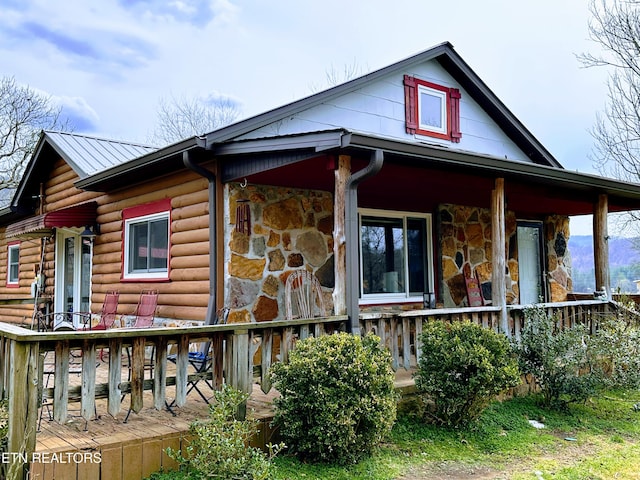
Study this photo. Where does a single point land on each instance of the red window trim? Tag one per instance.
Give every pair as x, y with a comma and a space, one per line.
8, 283
138, 211
147, 209
411, 99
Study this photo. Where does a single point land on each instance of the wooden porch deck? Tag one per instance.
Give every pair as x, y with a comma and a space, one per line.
84, 384
106, 448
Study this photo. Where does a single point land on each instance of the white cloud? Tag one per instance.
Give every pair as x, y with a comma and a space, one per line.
121, 56
82, 117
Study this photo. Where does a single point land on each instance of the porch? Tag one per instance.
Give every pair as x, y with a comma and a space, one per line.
84, 385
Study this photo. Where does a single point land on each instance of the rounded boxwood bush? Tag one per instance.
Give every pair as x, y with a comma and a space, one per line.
462, 368
337, 397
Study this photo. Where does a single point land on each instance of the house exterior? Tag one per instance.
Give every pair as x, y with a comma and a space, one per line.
391, 188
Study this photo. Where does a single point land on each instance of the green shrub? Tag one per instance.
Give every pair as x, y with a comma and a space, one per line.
4, 419
618, 344
337, 397
220, 446
567, 364
462, 368
4, 436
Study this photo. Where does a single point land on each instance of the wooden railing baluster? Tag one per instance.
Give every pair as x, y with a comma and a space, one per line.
265, 360
88, 401
137, 374
61, 382
115, 374
182, 365
160, 374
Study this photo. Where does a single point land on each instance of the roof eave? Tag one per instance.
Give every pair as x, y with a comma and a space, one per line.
317, 141
60, 151
531, 170
19, 193
479, 90
128, 170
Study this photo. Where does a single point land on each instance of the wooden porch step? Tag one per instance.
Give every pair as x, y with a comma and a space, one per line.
110, 449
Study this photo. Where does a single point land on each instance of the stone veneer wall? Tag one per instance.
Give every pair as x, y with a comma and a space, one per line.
558, 257
465, 238
291, 229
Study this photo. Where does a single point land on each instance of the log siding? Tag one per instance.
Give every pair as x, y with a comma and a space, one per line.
183, 297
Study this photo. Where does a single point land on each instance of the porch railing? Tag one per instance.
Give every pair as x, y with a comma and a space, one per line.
241, 353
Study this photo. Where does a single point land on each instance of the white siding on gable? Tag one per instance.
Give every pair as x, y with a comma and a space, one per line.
378, 109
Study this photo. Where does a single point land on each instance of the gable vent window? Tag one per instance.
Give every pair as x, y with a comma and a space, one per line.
432, 110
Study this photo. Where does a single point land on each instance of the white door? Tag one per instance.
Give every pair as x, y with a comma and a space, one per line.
530, 263
73, 272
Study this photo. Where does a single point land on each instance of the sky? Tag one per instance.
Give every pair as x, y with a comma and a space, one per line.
108, 63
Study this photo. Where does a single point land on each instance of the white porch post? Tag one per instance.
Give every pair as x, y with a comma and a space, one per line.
498, 245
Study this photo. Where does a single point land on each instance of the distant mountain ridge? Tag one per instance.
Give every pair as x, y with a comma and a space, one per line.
623, 252
624, 263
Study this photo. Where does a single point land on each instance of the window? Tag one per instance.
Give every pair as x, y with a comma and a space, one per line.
13, 265
432, 110
395, 255
146, 241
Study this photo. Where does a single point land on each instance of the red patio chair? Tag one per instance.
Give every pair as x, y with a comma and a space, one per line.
107, 313
146, 309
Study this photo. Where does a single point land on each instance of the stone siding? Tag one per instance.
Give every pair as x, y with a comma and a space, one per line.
465, 239
291, 229
558, 257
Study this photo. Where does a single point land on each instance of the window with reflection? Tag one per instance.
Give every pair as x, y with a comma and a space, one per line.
395, 255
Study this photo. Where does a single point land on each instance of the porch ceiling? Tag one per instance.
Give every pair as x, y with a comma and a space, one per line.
420, 184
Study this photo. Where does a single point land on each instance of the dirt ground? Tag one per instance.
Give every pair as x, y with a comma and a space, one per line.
567, 455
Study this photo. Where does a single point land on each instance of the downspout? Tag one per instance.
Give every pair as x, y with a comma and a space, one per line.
210, 176
352, 240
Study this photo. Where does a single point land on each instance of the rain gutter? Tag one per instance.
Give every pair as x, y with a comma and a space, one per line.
352, 235
210, 176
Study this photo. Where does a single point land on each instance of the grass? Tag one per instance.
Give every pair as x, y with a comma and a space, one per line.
599, 440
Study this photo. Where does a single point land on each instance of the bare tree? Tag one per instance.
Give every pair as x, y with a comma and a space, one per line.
615, 27
179, 118
335, 76
23, 114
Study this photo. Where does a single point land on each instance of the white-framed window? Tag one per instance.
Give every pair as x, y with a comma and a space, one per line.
432, 110
146, 242
395, 256
13, 264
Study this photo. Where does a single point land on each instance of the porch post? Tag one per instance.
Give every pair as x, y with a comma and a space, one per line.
342, 173
498, 283
23, 406
601, 244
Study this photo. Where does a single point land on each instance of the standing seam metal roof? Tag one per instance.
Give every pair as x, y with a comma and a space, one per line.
90, 155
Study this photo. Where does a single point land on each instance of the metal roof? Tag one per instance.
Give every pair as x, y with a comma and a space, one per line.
90, 155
